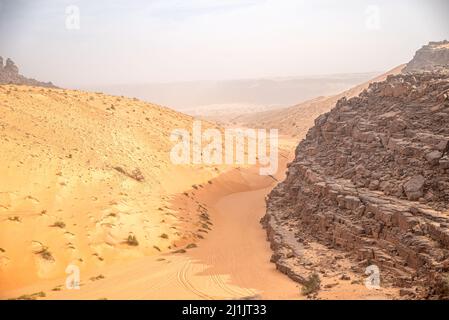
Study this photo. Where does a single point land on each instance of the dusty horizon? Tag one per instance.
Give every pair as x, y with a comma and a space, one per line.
84, 43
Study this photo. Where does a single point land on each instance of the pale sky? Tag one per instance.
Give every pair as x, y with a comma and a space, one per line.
137, 41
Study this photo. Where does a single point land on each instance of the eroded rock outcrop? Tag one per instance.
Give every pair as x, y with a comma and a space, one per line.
430, 57
9, 74
372, 178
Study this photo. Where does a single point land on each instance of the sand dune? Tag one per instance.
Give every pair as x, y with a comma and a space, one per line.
231, 262
84, 175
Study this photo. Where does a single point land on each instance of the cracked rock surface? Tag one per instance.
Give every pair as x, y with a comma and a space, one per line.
371, 179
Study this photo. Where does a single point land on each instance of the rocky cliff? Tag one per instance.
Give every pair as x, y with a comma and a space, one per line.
371, 178
431, 56
9, 74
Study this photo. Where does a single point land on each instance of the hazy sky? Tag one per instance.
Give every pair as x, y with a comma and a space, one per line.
135, 41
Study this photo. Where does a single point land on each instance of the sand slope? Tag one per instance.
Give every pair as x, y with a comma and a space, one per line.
231, 261
80, 173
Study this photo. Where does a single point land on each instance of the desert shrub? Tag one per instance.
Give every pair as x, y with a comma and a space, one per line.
99, 277
45, 254
58, 224
33, 296
311, 285
164, 236
136, 174
132, 240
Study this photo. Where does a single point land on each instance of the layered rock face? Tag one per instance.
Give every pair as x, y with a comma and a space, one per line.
372, 178
9, 74
430, 57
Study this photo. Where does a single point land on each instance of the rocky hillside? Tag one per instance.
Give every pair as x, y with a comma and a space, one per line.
9, 74
372, 179
429, 57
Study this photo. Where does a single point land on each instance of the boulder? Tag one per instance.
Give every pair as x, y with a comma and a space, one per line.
434, 157
414, 187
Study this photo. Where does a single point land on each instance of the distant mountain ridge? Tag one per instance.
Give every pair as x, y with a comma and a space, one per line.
9, 74
297, 119
195, 97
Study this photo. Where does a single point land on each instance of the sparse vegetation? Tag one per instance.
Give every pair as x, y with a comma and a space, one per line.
164, 236
311, 285
15, 218
58, 224
132, 240
32, 296
45, 254
191, 246
99, 277
136, 174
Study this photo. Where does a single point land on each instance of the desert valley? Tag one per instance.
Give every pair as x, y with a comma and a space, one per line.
87, 181
258, 154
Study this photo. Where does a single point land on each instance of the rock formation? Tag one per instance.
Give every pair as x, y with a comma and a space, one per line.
429, 57
9, 74
372, 179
